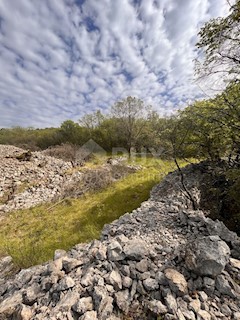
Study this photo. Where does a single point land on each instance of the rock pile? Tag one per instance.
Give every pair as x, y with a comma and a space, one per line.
161, 261
27, 182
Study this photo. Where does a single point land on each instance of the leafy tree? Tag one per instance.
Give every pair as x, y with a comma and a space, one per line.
130, 114
219, 44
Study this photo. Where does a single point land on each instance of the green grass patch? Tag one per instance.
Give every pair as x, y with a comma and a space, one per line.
31, 236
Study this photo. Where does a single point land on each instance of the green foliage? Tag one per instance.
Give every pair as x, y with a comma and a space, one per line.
220, 41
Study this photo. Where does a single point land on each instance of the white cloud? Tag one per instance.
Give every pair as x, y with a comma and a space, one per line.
60, 59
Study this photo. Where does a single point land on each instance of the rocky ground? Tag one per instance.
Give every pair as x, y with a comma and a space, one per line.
30, 182
162, 261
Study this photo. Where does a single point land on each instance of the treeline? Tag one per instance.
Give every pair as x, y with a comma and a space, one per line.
206, 129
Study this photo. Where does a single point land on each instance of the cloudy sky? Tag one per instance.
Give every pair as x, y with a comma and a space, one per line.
60, 59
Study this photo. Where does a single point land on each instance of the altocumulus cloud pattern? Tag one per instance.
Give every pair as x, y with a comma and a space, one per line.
62, 58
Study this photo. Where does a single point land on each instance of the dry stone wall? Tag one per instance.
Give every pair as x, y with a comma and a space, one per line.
162, 261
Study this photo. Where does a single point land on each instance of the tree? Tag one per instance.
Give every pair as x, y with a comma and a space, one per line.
219, 45
130, 114
92, 120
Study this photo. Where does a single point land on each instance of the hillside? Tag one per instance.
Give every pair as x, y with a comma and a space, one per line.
162, 261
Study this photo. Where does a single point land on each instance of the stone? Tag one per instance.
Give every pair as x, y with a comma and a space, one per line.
204, 315
150, 284
171, 303
176, 281
65, 284
226, 310
24, 312
160, 277
68, 264
236, 316
135, 249
223, 286
202, 296
195, 305
235, 263
114, 251
59, 253
126, 282
105, 308
83, 305
31, 294
122, 300
157, 307
142, 266
207, 256
114, 278
90, 315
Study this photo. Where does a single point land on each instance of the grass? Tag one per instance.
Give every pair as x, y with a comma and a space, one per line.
31, 236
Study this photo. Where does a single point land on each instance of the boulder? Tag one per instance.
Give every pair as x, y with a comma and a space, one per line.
135, 249
207, 256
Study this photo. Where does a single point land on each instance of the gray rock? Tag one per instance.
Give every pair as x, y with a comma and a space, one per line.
126, 282
171, 303
114, 278
150, 284
122, 300
204, 315
224, 287
83, 305
90, 315
68, 264
207, 256
135, 249
31, 294
176, 281
65, 284
114, 251
142, 266
59, 253
105, 308
157, 307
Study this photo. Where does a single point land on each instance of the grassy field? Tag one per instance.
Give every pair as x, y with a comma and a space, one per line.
31, 236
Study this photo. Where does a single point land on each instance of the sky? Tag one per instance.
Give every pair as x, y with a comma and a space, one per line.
61, 59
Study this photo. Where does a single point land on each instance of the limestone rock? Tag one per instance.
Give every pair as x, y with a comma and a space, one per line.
83, 305
135, 249
176, 281
207, 256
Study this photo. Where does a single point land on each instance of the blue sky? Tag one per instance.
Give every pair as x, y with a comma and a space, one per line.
60, 59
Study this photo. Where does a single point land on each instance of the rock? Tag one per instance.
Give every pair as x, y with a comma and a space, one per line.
83, 305
24, 313
115, 279
195, 305
65, 284
235, 263
105, 308
171, 303
204, 315
176, 281
207, 256
135, 249
224, 287
202, 296
9, 305
157, 307
122, 300
90, 315
236, 316
68, 264
150, 284
59, 253
114, 251
126, 282
142, 266
30, 295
